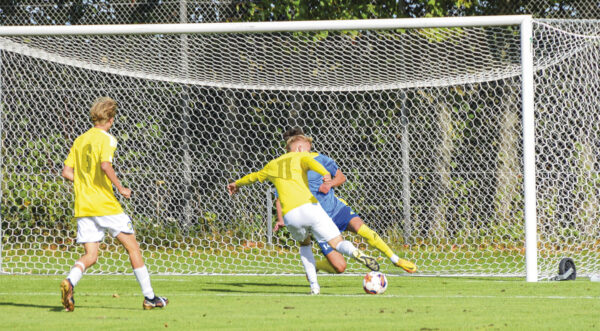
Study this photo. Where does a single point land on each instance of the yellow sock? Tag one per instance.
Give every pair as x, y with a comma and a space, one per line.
325, 266
374, 240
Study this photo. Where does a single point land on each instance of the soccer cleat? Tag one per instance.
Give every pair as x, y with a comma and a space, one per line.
157, 302
315, 289
368, 261
66, 290
406, 265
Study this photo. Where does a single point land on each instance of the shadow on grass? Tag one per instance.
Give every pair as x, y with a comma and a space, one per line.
256, 291
56, 308
27, 305
260, 284
256, 288
487, 279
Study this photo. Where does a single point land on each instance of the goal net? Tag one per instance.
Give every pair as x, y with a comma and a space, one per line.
426, 124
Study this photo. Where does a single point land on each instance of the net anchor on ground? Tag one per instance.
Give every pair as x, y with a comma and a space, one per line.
566, 270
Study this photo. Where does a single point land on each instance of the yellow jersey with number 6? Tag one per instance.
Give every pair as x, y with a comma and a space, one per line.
94, 195
288, 174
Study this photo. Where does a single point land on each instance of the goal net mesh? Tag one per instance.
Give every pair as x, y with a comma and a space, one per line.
424, 123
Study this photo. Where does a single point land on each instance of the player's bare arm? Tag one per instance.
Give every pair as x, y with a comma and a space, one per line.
110, 173
336, 181
280, 223
68, 173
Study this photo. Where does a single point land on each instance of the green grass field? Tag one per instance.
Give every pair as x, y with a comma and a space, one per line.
281, 302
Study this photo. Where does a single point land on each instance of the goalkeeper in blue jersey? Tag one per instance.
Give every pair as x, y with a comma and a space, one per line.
343, 216
300, 210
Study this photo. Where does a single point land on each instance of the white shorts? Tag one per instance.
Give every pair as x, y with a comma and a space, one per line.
92, 228
307, 218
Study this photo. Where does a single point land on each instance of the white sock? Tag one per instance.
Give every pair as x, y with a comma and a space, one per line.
394, 259
308, 260
75, 274
345, 247
143, 279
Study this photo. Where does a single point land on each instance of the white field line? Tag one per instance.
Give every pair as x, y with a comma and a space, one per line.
461, 296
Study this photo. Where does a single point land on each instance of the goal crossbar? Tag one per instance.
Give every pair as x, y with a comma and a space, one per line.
255, 27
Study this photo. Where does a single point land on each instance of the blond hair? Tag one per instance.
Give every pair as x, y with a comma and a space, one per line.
292, 132
293, 139
103, 109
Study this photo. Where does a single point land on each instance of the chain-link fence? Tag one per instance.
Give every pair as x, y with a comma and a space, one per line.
59, 12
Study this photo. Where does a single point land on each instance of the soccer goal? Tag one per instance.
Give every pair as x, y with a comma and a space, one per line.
470, 144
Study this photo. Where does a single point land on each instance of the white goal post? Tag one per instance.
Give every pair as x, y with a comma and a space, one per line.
445, 111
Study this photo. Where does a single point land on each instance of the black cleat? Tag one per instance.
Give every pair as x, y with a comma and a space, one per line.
368, 261
157, 302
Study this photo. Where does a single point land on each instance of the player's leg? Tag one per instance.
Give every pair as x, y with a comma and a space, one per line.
347, 248
357, 226
67, 286
89, 234
133, 249
308, 261
141, 272
298, 221
85, 261
326, 230
334, 262
121, 227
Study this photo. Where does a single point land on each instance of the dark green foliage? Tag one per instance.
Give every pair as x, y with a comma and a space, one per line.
267, 10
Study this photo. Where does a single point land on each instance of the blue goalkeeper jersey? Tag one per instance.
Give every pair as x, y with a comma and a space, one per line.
329, 201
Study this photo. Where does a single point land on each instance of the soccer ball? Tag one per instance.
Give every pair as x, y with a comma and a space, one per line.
375, 283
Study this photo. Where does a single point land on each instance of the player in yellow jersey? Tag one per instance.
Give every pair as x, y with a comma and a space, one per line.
343, 216
301, 211
89, 167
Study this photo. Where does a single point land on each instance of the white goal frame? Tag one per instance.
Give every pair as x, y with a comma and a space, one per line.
525, 22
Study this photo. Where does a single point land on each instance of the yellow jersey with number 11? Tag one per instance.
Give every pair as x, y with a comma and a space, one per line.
94, 195
288, 174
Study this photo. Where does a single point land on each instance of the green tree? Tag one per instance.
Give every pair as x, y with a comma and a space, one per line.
267, 10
